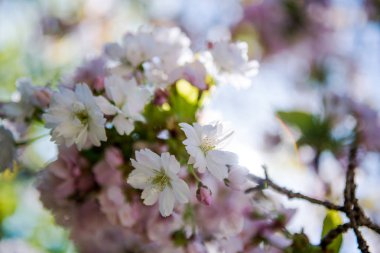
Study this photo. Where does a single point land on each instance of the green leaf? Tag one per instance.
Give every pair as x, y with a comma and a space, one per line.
331, 221
315, 131
182, 103
301, 120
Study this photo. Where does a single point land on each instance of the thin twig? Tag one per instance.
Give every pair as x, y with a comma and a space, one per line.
351, 205
291, 194
362, 244
334, 233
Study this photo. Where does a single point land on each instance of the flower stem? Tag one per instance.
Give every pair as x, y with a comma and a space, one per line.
194, 174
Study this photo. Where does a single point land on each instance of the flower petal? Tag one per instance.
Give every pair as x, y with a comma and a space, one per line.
114, 89
220, 171
191, 134
181, 190
123, 125
138, 179
150, 195
149, 159
223, 157
105, 106
166, 202
199, 159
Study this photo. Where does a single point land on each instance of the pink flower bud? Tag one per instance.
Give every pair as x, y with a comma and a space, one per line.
204, 195
43, 97
114, 157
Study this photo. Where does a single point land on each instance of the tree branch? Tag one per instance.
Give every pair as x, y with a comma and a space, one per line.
351, 207
332, 234
266, 182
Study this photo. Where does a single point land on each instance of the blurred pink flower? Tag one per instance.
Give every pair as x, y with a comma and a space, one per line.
204, 195
113, 204
106, 171
238, 177
68, 170
91, 72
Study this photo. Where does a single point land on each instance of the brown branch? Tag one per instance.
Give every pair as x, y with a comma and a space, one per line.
362, 244
264, 183
351, 207
369, 224
334, 233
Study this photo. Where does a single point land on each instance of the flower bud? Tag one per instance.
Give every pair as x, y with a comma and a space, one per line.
204, 195
42, 97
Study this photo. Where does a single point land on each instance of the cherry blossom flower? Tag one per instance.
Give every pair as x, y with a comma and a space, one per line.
28, 98
203, 143
157, 177
134, 49
155, 54
106, 171
118, 211
91, 71
229, 63
75, 117
129, 102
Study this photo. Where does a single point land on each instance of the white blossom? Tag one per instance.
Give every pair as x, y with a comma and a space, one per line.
204, 143
128, 100
134, 49
229, 63
157, 177
156, 53
26, 100
75, 117
233, 57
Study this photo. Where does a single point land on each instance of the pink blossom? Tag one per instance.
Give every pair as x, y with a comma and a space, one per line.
238, 177
106, 171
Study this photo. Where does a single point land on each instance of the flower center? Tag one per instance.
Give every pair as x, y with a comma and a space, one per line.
207, 145
80, 113
161, 180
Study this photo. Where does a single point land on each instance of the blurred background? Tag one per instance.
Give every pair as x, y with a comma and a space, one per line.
315, 56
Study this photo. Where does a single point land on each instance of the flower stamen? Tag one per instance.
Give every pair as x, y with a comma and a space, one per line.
161, 180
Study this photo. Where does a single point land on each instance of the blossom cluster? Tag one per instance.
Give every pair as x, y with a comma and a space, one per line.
135, 171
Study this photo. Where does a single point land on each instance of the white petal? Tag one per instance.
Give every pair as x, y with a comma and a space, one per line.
83, 92
223, 157
147, 170
220, 171
150, 195
137, 98
114, 51
199, 158
170, 163
165, 160
114, 89
97, 133
81, 138
138, 179
149, 159
181, 190
166, 202
105, 106
191, 134
123, 125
